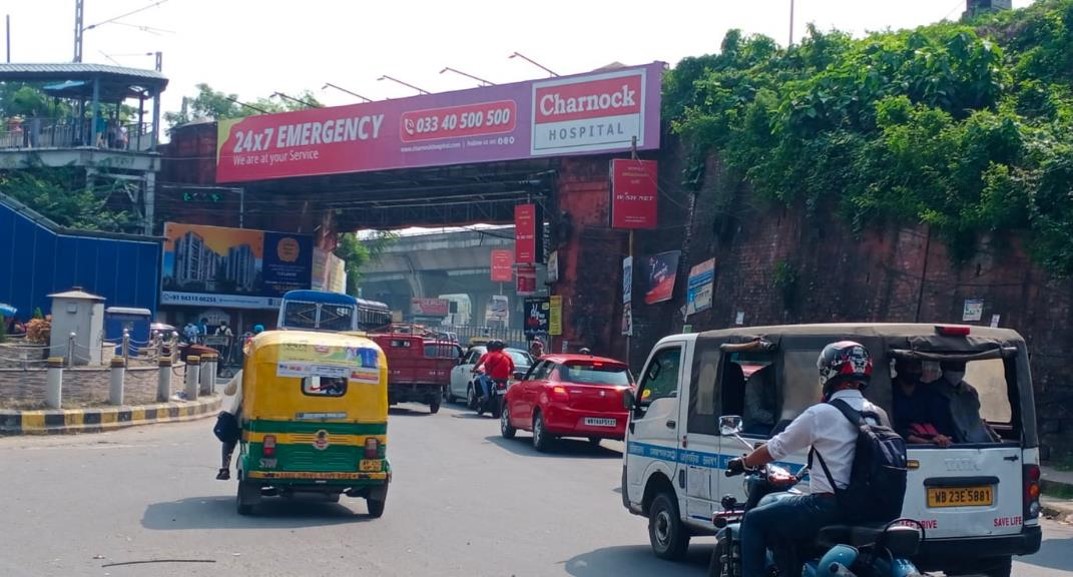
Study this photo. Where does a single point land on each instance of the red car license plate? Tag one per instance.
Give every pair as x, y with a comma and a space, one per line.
600, 422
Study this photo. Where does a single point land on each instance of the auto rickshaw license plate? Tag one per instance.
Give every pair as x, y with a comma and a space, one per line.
367, 465
961, 496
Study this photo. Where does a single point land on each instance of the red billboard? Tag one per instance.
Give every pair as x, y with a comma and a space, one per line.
420, 307
527, 276
598, 112
633, 193
525, 233
502, 265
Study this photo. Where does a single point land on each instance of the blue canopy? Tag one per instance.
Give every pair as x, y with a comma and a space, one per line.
7, 310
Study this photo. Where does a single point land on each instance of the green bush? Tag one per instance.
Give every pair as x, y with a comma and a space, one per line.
967, 127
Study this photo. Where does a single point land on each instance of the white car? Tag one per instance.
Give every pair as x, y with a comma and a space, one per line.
461, 386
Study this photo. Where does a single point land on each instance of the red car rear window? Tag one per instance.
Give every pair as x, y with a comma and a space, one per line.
595, 373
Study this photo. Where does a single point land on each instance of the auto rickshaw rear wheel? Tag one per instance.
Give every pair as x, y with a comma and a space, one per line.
376, 501
249, 495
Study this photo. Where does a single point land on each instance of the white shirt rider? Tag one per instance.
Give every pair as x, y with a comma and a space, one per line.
834, 437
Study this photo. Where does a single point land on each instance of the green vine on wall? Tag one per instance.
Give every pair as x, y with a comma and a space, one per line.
966, 127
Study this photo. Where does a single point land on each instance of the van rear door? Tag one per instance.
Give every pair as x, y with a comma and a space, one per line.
965, 490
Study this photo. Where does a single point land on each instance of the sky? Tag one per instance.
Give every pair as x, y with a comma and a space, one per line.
257, 47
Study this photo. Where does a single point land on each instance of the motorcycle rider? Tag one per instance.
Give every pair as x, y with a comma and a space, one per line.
845, 369
497, 366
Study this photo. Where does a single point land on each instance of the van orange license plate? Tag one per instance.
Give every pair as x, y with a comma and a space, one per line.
961, 496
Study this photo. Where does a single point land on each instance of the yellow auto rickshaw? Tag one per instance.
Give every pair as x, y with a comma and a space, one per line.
313, 419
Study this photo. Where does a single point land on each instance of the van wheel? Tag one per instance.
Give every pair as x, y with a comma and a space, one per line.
505, 427
668, 537
990, 567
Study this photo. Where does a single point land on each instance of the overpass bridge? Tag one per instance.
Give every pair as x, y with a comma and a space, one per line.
444, 262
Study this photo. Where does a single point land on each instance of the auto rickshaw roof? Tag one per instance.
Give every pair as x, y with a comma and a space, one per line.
271, 339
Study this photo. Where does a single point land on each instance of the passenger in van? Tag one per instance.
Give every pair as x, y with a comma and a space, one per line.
964, 402
845, 370
760, 402
921, 414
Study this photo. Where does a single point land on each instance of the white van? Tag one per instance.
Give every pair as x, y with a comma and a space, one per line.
978, 503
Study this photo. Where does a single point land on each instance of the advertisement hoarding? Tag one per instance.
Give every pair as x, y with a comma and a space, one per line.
502, 265
526, 278
420, 307
329, 272
528, 234
553, 267
634, 193
497, 310
555, 315
233, 267
537, 316
661, 270
700, 285
599, 112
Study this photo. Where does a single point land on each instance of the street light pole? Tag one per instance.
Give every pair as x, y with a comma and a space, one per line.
791, 24
408, 85
533, 62
459, 72
293, 99
341, 89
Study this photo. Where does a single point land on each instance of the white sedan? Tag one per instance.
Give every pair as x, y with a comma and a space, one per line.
461, 386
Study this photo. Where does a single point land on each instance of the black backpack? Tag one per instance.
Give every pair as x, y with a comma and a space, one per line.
877, 481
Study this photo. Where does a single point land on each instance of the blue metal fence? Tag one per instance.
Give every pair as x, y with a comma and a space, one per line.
38, 257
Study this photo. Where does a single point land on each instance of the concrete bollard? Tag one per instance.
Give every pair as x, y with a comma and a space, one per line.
163, 385
54, 388
193, 374
115, 386
208, 373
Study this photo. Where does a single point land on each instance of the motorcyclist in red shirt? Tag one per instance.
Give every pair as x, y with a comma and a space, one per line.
496, 365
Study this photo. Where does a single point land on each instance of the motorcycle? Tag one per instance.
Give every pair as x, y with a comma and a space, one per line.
492, 403
869, 550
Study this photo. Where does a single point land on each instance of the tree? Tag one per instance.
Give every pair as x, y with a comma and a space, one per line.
210, 104
60, 194
967, 127
357, 253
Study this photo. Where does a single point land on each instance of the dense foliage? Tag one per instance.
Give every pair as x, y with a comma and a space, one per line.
358, 252
210, 104
967, 127
61, 195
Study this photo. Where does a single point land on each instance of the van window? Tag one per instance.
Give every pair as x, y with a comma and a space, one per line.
800, 383
660, 380
750, 389
989, 379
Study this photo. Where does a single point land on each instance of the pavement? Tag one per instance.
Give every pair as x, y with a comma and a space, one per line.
98, 419
1057, 487
464, 502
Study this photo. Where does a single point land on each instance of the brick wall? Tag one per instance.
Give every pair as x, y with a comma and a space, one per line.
780, 265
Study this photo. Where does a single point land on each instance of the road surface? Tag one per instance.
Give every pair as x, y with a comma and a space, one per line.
463, 502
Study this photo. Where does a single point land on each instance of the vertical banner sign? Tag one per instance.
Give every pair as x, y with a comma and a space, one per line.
537, 314
700, 284
526, 280
553, 267
502, 265
525, 234
633, 193
627, 295
555, 315
661, 271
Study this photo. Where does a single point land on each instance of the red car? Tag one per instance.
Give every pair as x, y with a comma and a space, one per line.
568, 396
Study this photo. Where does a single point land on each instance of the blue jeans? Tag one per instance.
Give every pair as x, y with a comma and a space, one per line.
780, 524
486, 385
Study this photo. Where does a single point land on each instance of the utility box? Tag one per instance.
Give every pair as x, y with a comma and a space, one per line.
135, 321
79, 312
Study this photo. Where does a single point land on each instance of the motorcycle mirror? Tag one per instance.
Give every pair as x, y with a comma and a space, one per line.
729, 425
